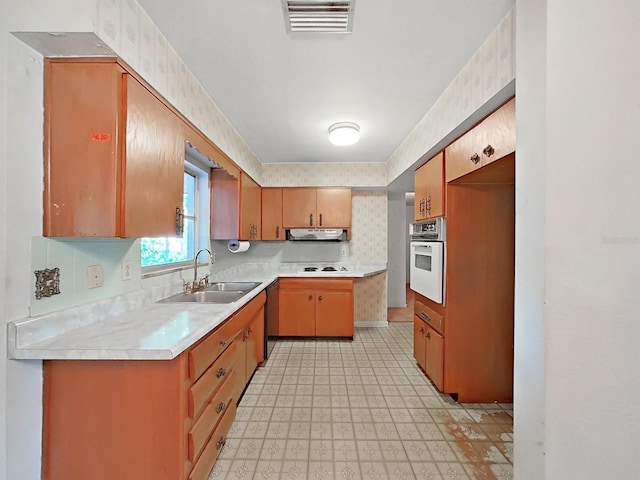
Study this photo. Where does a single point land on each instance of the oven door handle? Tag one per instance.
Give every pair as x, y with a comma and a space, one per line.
424, 316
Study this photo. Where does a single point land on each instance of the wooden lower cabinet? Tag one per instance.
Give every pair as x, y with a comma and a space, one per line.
428, 343
314, 307
149, 419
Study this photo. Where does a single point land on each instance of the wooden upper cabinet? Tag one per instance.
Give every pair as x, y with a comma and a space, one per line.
299, 208
429, 189
225, 205
235, 206
272, 228
316, 207
114, 154
492, 139
333, 206
153, 165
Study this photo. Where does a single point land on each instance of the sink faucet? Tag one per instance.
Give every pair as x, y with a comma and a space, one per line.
199, 284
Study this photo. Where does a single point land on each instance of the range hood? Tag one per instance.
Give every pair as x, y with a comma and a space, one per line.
317, 234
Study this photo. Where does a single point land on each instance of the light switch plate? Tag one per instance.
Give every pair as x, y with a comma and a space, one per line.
126, 270
94, 276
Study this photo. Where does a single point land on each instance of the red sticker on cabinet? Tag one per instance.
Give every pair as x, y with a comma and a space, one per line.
101, 137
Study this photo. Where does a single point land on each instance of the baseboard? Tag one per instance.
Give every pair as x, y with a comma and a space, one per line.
372, 324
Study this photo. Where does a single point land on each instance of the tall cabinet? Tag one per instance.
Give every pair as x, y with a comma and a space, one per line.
465, 345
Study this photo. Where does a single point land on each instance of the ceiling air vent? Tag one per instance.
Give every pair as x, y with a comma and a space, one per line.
319, 15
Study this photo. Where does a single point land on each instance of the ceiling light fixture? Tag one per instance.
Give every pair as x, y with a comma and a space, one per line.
344, 133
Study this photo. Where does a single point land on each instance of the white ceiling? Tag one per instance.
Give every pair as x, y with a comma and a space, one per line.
281, 91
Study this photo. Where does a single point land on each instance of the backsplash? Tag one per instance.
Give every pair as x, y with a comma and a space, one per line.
73, 257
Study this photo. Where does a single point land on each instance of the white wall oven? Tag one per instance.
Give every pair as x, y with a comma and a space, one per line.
428, 259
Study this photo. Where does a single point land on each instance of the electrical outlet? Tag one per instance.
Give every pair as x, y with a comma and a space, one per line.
126, 270
94, 276
343, 251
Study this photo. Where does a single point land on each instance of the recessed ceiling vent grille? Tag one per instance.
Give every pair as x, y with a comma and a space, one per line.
319, 16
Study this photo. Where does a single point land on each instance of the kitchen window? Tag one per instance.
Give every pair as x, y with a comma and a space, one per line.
161, 253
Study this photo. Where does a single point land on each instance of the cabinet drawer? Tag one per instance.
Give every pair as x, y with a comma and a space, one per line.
316, 283
201, 391
215, 409
203, 466
203, 354
429, 316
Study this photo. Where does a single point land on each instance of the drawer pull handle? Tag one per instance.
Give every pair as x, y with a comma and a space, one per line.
310, 298
220, 407
221, 372
223, 342
220, 443
421, 329
311, 219
277, 232
488, 150
475, 158
428, 335
320, 297
320, 219
424, 316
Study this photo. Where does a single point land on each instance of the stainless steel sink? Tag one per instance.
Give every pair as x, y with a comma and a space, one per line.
231, 286
220, 292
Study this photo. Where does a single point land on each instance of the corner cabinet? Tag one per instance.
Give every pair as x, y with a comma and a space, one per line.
306, 207
314, 307
429, 189
114, 154
150, 419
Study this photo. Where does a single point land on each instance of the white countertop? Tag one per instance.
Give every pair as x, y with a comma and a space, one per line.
151, 331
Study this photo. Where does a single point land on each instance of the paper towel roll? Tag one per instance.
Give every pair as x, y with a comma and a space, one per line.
236, 246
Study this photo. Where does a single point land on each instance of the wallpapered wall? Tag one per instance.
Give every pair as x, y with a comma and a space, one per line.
490, 69
325, 174
126, 28
369, 244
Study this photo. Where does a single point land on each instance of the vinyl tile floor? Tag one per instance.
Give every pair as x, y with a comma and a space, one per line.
361, 409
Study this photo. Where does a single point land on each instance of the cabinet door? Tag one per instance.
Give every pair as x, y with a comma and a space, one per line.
499, 133
255, 343
80, 196
272, 214
419, 332
334, 314
463, 156
297, 313
429, 189
299, 208
333, 206
240, 364
153, 165
250, 201
434, 356
225, 205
